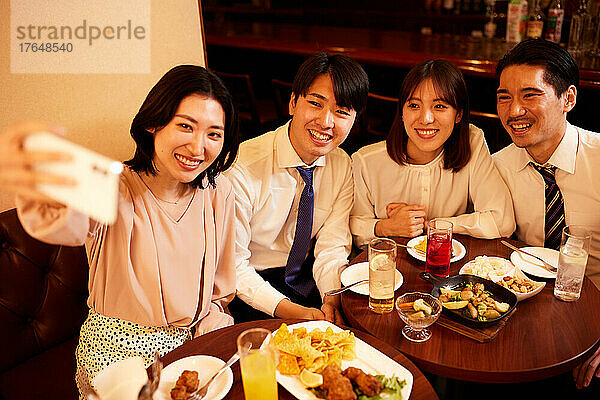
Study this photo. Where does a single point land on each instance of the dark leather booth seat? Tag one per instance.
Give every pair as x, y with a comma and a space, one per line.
43, 292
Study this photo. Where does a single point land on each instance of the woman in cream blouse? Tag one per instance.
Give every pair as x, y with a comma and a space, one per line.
165, 269
432, 165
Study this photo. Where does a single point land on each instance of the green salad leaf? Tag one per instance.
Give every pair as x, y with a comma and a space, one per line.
392, 388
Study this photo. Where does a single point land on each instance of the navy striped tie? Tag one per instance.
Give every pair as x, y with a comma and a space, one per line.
554, 221
293, 269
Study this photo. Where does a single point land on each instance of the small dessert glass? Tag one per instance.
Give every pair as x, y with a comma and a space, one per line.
416, 322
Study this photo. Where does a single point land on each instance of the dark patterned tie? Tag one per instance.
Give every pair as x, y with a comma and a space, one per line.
299, 250
555, 209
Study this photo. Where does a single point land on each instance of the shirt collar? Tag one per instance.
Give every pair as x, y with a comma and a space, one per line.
563, 157
285, 153
565, 154
437, 161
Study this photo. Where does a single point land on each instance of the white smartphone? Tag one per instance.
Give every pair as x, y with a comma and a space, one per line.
97, 177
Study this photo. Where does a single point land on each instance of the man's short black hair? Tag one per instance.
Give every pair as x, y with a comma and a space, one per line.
349, 79
159, 109
560, 68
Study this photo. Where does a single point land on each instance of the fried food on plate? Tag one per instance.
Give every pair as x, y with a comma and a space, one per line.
337, 385
186, 384
179, 393
422, 246
312, 350
368, 384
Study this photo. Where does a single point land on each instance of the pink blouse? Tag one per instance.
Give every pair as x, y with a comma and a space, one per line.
148, 268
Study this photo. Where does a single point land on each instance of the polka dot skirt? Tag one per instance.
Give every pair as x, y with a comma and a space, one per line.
105, 340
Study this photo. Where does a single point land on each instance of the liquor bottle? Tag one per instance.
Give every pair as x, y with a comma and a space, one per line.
580, 20
516, 21
489, 29
466, 6
594, 50
457, 6
448, 6
556, 16
535, 21
591, 36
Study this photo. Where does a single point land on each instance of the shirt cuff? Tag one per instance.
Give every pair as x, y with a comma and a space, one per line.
365, 231
267, 298
330, 278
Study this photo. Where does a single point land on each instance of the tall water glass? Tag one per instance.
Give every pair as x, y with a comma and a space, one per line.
572, 260
258, 360
382, 272
439, 247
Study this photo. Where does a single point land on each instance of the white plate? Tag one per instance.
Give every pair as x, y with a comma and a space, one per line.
206, 366
360, 271
369, 359
533, 266
457, 248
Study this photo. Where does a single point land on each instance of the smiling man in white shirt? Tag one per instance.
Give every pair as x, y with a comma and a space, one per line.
537, 87
286, 260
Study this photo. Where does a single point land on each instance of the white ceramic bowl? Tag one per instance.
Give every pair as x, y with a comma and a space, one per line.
537, 286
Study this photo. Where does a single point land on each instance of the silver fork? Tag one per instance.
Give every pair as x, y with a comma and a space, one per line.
411, 247
199, 393
343, 289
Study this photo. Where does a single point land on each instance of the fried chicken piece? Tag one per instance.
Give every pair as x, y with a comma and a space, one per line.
338, 386
368, 384
189, 380
179, 393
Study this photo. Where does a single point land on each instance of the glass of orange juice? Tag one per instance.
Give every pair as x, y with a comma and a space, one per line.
258, 361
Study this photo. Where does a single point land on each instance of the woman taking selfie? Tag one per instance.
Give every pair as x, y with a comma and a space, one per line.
433, 164
165, 269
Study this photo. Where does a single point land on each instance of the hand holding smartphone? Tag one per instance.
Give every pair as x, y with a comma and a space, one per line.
97, 177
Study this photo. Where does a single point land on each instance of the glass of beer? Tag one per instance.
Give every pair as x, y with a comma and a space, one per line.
382, 272
572, 260
258, 360
439, 247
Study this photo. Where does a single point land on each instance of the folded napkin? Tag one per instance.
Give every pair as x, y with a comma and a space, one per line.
121, 380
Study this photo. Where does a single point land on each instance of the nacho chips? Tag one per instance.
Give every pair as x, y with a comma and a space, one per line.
312, 350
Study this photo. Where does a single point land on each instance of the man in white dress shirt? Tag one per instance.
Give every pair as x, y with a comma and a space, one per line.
284, 263
537, 87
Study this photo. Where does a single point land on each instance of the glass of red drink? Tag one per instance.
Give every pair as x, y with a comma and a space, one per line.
439, 247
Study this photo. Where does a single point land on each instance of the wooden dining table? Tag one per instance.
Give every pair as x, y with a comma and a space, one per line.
544, 337
222, 344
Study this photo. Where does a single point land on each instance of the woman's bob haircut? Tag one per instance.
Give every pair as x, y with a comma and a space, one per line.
160, 106
450, 86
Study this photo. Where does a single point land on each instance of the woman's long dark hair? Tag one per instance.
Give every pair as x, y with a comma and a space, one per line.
160, 106
449, 85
